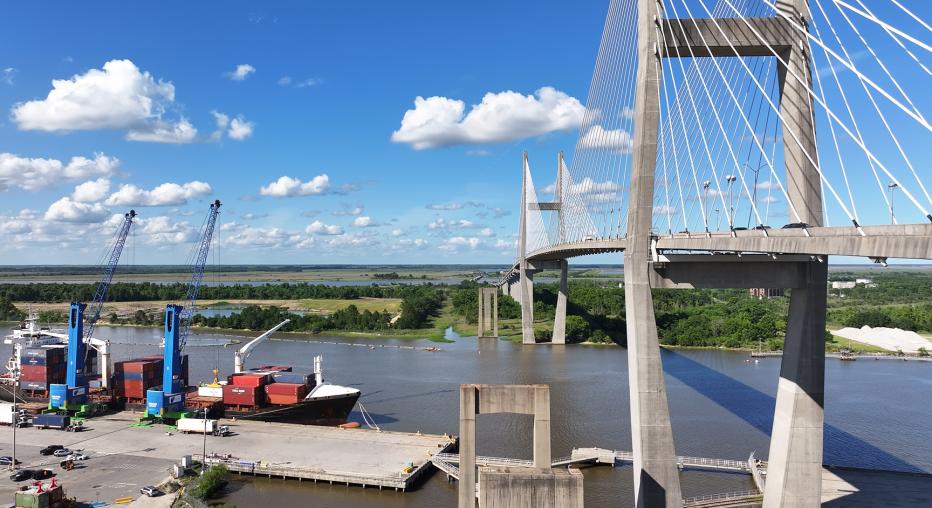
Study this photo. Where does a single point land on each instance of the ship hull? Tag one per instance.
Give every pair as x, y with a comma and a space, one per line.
317, 411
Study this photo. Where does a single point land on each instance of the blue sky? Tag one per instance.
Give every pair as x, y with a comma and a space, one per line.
331, 83
253, 103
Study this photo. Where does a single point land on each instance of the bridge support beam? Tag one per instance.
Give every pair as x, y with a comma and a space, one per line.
794, 471
559, 318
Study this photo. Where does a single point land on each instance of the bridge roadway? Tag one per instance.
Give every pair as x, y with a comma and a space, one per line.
905, 241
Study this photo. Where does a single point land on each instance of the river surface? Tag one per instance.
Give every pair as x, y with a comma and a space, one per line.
878, 412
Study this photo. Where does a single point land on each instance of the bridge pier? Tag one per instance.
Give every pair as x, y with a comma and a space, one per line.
794, 471
526, 292
559, 317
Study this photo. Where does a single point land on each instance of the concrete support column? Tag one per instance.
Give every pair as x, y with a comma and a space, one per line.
542, 457
495, 313
794, 471
480, 310
559, 318
656, 477
468, 409
527, 304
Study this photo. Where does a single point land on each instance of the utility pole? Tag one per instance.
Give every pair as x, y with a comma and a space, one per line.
14, 362
204, 456
705, 202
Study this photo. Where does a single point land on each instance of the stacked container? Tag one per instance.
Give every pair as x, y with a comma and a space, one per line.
41, 367
245, 389
293, 378
273, 368
285, 393
132, 378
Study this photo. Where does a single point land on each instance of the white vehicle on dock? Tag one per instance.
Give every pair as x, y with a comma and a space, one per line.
202, 426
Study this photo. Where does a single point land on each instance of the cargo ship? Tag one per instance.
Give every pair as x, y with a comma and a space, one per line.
276, 394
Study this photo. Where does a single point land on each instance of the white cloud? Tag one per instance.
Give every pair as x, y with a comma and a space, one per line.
447, 206
415, 242
319, 228
505, 244
352, 212
66, 210
364, 221
166, 194
452, 244
439, 121
664, 210
241, 72
161, 231
486, 232
453, 224
7, 77
240, 129
181, 132
36, 174
222, 120
118, 96
614, 139
287, 186
253, 216
304, 83
397, 232
284, 80
91, 191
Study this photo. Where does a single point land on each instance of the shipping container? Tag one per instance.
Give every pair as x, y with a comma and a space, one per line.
210, 391
198, 425
274, 368
282, 399
51, 420
234, 395
35, 386
295, 390
249, 379
293, 378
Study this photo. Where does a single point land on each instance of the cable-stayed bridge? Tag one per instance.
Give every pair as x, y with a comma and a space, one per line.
740, 143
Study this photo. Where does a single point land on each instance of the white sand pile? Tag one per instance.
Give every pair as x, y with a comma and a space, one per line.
888, 338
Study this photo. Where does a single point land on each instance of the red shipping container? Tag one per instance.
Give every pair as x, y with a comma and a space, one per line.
294, 390
284, 399
234, 395
33, 372
250, 380
135, 389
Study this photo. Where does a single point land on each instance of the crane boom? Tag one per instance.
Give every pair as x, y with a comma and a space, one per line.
197, 273
239, 357
103, 287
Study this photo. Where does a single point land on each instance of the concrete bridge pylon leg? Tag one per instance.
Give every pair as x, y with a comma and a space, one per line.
794, 470
559, 318
526, 290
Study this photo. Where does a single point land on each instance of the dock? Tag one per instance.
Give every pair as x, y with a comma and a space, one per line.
393, 460
144, 455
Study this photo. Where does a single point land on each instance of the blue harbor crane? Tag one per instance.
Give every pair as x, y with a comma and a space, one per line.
170, 399
74, 391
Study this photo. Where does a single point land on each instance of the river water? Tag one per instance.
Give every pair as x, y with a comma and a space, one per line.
878, 412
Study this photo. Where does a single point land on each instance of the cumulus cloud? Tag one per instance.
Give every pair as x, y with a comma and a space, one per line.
222, 120
118, 96
91, 191
66, 210
167, 194
505, 244
611, 139
440, 121
453, 224
287, 186
454, 243
319, 228
180, 132
240, 129
161, 231
35, 173
487, 232
241, 72
412, 242
664, 210
364, 221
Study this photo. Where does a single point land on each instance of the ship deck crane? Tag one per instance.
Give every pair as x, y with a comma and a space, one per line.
239, 357
170, 398
74, 391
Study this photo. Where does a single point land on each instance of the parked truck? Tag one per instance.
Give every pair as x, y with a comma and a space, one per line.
7, 416
201, 426
51, 421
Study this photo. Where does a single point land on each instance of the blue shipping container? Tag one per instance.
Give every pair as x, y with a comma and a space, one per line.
58, 395
155, 401
51, 420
